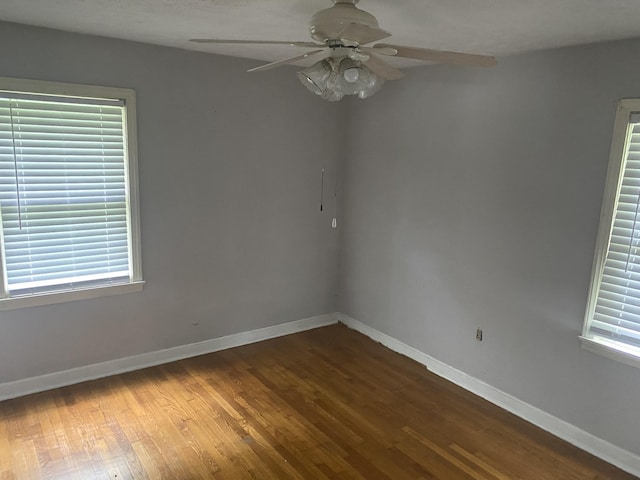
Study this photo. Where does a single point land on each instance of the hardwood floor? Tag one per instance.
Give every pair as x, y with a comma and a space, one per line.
324, 404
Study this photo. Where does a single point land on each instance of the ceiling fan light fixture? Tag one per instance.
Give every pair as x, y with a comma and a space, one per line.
315, 77
350, 69
363, 82
351, 75
332, 79
333, 92
370, 83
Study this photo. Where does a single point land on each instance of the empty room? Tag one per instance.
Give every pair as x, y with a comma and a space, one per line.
330, 239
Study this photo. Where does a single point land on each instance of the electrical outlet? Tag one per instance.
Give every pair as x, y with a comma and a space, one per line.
479, 334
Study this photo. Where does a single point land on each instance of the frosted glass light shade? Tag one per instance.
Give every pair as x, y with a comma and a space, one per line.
315, 77
333, 78
371, 84
351, 74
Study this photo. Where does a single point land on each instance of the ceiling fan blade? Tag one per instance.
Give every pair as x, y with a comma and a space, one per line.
286, 61
362, 34
257, 42
382, 68
381, 50
439, 56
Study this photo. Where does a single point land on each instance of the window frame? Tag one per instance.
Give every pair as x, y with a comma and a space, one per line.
136, 282
609, 348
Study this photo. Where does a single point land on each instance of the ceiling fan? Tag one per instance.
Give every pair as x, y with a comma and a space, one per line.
347, 66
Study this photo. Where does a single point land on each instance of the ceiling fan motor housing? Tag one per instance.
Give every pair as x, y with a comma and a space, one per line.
329, 23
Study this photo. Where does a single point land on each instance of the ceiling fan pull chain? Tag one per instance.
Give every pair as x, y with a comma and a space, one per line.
324, 145
321, 189
334, 222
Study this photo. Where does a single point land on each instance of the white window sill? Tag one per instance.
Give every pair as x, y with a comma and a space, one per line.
69, 296
612, 350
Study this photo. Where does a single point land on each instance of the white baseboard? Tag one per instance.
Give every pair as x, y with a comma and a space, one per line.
608, 452
41, 383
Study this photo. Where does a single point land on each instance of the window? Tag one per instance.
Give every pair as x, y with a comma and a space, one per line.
68, 192
612, 323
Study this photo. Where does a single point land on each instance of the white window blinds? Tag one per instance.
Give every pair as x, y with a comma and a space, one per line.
617, 311
613, 313
63, 193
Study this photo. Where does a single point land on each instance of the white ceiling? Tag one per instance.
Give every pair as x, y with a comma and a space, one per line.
493, 27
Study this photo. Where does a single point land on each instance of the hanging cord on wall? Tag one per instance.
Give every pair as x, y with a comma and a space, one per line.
321, 189
324, 143
633, 234
15, 163
334, 222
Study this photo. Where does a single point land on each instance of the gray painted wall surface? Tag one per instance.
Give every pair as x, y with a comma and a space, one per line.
232, 235
473, 200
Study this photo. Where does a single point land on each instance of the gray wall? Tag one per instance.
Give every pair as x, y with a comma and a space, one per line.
232, 235
473, 199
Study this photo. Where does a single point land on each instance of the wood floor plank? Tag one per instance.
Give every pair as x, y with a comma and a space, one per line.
323, 404
479, 462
